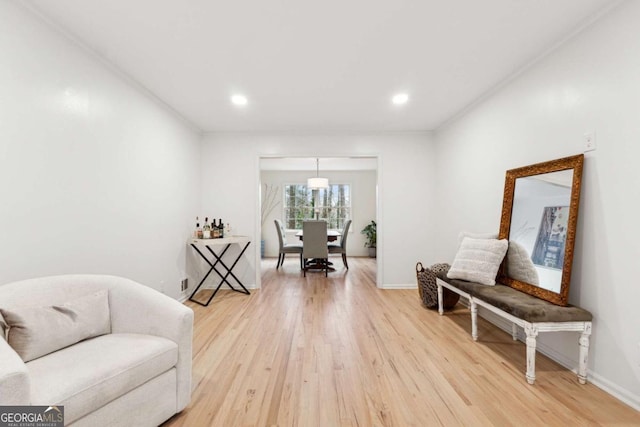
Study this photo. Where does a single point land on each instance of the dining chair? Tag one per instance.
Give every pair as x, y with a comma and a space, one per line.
314, 245
341, 248
286, 248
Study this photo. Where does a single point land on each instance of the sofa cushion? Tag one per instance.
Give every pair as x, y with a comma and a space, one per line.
92, 373
478, 260
150, 405
38, 330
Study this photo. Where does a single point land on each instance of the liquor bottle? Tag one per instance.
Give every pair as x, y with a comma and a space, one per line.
206, 231
198, 231
221, 229
215, 230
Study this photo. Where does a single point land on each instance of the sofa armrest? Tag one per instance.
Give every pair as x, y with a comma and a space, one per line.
14, 377
136, 308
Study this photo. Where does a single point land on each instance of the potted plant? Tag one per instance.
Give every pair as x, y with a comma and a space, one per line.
371, 232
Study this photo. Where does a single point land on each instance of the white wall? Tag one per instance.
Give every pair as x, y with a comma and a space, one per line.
406, 188
363, 205
591, 83
95, 177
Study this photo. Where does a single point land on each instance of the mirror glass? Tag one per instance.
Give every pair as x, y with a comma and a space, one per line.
538, 232
539, 219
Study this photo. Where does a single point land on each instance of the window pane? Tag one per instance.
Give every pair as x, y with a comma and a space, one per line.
333, 204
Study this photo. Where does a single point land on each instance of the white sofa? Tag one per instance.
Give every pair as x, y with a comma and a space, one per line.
139, 373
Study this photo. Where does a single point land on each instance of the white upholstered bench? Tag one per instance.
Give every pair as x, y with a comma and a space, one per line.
530, 313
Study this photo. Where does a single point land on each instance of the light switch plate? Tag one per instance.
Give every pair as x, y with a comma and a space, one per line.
589, 140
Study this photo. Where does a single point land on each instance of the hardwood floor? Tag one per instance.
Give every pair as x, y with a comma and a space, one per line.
337, 351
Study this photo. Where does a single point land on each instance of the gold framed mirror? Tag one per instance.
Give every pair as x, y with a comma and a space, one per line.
539, 218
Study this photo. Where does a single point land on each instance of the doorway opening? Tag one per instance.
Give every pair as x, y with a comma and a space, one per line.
285, 195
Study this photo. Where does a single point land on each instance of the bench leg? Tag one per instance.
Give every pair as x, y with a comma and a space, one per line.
584, 353
532, 333
440, 300
514, 331
474, 319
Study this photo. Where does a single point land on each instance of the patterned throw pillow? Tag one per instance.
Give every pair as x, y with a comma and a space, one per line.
478, 260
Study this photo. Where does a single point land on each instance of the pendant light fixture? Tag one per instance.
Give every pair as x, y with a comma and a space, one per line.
316, 182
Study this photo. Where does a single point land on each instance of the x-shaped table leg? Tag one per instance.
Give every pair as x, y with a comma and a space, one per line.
218, 260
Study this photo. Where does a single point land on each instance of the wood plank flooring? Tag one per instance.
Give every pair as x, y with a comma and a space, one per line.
337, 351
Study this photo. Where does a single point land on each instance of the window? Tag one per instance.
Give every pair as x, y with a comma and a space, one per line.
333, 204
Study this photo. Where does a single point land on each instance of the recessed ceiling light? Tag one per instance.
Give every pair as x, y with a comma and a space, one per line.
400, 98
239, 100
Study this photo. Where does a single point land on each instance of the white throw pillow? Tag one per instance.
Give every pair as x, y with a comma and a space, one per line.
36, 331
478, 260
473, 235
519, 264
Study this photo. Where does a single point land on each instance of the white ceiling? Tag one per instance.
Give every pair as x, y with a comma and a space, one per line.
319, 65
324, 164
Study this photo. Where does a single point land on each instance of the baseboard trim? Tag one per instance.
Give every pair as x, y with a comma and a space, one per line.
399, 286
615, 390
602, 383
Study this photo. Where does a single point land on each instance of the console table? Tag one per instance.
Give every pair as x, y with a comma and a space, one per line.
215, 261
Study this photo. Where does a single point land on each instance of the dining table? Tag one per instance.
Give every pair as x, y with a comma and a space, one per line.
332, 235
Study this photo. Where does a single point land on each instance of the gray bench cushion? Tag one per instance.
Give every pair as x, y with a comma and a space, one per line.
463, 285
521, 305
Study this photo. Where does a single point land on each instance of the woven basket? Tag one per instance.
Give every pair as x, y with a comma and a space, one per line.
428, 289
